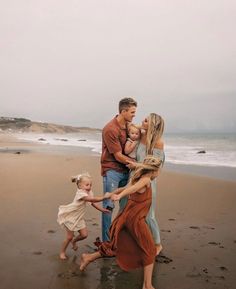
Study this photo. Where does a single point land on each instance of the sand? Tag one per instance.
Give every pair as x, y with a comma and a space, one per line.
196, 216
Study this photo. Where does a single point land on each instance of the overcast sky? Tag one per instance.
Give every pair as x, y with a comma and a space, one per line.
70, 62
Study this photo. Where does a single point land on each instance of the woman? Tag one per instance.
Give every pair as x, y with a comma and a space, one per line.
130, 238
152, 144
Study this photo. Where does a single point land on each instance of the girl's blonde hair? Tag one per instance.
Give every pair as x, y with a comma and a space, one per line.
149, 164
154, 131
79, 178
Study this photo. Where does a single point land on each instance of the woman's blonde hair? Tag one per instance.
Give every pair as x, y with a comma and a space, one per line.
149, 164
79, 178
154, 131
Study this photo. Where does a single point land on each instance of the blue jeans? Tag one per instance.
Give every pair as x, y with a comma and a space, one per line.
111, 181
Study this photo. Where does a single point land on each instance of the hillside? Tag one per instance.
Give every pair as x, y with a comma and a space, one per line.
25, 125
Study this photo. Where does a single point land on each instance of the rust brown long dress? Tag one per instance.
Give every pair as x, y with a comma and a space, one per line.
131, 240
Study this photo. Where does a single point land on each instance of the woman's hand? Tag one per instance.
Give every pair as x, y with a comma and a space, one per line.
131, 165
115, 197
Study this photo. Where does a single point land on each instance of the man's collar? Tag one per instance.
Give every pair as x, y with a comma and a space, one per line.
119, 124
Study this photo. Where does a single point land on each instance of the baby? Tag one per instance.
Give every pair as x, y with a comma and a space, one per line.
132, 142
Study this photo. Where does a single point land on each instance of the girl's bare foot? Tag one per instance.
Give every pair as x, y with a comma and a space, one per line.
158, 249
84, 261
63, 256
74, 246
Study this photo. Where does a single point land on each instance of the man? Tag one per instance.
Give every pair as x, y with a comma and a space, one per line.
113, 161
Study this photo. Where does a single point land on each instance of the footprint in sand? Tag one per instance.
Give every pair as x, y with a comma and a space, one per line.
223, 268
163, 259
61, 275
210, 228
194, 227
171, 219
51, 231
214, 243
205, 270
68, 275
168, 231
95, 224
37, 253
220, 277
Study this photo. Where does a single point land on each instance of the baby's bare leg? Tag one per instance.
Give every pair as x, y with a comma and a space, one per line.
88, 258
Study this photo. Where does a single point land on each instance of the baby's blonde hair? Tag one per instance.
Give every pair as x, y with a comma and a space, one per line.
149, 164
132, 125
79, 178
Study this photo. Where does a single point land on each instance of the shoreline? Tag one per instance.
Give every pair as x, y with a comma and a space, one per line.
10, 144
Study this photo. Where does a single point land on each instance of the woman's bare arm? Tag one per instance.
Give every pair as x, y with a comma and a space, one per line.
143, 182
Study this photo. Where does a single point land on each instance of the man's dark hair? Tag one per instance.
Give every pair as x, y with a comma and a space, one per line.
126, 103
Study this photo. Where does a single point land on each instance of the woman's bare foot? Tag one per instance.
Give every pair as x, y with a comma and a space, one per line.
158, 249
84, 261
74, 246
63, 256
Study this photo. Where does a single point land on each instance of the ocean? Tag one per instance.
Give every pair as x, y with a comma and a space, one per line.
218, 149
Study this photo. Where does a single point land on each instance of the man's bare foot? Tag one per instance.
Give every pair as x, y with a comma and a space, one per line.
158, 249
63, 256
74, 246
151, 287
84, 261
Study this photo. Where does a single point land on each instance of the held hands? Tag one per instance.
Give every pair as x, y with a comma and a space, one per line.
112, 196
107, 195
131, 165
115, 197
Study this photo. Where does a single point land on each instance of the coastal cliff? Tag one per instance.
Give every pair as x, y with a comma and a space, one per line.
13, 124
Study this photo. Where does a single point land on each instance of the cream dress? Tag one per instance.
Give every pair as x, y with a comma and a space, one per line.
72, 215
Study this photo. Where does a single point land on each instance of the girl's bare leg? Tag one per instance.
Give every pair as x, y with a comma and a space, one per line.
88, 258
158, 249
147, 278
69, 238
83, 234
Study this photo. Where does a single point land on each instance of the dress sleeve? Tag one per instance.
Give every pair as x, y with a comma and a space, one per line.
80, 194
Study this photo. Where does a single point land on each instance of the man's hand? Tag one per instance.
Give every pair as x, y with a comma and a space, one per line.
106, 211
131, 165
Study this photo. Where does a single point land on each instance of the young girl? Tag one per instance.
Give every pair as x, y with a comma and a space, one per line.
132, 142
71, 216
131, 239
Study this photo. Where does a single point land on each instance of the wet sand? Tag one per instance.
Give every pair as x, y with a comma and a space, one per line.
196, 216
